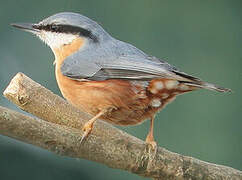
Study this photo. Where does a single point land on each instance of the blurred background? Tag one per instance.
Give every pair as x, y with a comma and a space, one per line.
200, 37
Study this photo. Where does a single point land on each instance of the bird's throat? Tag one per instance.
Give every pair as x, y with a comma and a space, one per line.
66, 50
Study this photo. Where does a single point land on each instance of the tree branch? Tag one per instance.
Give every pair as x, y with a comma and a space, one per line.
106, 144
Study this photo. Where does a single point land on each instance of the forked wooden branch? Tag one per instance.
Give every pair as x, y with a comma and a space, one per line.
60, 131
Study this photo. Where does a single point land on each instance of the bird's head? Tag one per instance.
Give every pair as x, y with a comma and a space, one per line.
63, 28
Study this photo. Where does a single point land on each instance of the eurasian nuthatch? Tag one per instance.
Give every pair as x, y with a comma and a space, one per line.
110, 79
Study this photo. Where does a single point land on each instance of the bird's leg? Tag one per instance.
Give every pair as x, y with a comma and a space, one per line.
150, 137
88, 126
152, 146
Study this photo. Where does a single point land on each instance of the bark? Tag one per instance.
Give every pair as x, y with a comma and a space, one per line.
59, 130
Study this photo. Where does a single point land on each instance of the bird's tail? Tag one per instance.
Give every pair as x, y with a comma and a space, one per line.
205, 85
196, 82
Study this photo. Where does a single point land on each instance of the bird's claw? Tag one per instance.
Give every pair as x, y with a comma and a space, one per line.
84, 136
153, 145
87, 128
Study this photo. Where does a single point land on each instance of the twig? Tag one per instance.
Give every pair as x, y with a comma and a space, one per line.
106, 144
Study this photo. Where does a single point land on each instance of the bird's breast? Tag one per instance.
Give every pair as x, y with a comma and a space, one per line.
132, 101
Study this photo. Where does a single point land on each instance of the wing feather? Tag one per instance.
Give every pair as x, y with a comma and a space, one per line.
124, 61
122, 67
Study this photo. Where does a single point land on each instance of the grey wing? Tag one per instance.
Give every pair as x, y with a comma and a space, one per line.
77, 69
139, 68
134, 65
130, 67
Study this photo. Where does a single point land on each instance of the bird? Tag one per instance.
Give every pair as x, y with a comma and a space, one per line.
110, 79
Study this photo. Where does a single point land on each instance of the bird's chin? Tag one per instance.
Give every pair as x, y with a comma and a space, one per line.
42, 37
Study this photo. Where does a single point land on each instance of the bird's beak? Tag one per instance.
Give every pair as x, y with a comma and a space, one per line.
26, 27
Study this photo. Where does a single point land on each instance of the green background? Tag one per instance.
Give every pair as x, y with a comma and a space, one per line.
202, 38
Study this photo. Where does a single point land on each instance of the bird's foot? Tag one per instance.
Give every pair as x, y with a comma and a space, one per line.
87, 128
151, 150
152, 146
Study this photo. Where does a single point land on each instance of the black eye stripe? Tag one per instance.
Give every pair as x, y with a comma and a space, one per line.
54, 28
62, 28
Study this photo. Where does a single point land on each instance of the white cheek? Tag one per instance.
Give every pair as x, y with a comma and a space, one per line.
56, 40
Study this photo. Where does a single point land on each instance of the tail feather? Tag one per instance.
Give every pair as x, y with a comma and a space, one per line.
196, 82
205, 85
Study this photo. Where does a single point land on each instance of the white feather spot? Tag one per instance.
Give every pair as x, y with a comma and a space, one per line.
158, 85
156, 102
171, 84
183, 87
153, 90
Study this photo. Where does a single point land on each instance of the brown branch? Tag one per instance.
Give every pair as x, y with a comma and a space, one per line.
106, 144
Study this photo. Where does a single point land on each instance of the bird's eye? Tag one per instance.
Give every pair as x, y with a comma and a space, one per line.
54, 28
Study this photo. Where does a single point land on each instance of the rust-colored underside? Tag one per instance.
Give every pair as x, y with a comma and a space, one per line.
129, 102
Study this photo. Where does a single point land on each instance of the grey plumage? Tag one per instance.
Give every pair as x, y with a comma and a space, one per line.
109, 58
